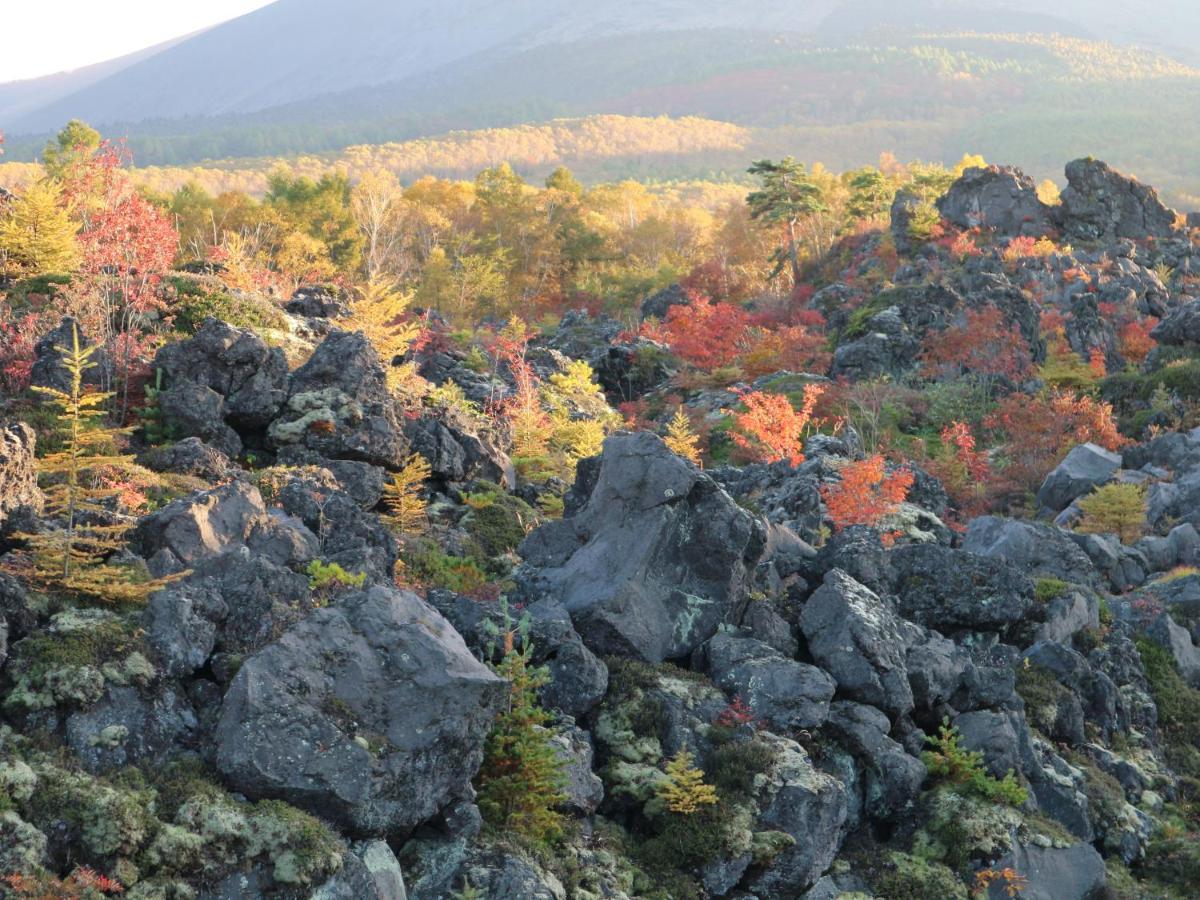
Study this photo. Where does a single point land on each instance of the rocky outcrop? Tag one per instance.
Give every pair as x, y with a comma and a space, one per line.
1036, 549
48, 370
210, 523
371, 712
857, 639
651, 555
339, 406
20, 499
221, 382
1181, 328
1100, 204
1001, 198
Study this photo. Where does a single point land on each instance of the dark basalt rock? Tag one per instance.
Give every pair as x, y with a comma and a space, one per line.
20, 499
1100, 204
651, 555
1001, 198
371, 712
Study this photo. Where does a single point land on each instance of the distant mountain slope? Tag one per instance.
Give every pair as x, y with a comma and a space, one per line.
293, 50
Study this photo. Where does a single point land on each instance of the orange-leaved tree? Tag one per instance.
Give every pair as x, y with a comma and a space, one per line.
771, 429
708, 335
867, 494
1040, 430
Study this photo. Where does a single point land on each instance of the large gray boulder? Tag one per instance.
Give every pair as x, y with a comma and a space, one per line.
210, 523
372, 713
1181, 328
1034, 548
221, 381
1177, 641
339, 405
369, 871
1100, 204
20, 499
1001, 198
1086, 467
855, 637
1053, 873
950, 589
786, 694
651, 555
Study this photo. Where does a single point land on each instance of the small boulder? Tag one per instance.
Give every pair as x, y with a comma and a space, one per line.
788, 695
1086, 467
1054, 873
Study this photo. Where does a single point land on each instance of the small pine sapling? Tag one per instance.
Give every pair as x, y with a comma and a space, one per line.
1118, 509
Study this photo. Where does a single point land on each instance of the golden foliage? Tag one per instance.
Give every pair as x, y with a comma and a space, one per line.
37, 234
681, 439
684, 790
381, 313
402, 497
1118, 509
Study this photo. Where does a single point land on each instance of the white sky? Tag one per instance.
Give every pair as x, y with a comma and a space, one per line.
46, 36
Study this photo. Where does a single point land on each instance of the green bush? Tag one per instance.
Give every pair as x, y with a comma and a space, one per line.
949, 761
194, 303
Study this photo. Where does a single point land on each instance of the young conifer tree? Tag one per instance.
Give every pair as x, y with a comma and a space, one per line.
402, 496
681, 439
521, 781
381, 313
82, 482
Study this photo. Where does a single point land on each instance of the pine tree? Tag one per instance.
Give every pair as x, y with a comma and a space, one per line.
83, 483
520, 783
381, 314
1118, 509
406, 507
37, 234
684, 790
680, 438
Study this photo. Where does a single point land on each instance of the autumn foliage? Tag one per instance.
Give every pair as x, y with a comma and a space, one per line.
771, 429
982, 344
867, 494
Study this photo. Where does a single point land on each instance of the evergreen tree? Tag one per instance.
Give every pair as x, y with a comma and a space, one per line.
787, 196
74, 144
83, 483
37, 234
381, 313
1118, 509
521, 781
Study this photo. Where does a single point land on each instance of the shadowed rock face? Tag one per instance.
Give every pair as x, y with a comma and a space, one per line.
1002, 198
372, 713
19, 495
1102, 204
651, 557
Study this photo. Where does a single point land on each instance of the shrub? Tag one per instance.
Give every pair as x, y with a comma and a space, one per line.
684, 790
1118, 509
771, 429
867, 494
326, 579
1048, 589
194, 303
949, 761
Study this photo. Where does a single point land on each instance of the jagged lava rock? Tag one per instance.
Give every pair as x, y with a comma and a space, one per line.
1087, 466
20, 498
1100, 204
651, 555
1002, 198
339, 405
372, 712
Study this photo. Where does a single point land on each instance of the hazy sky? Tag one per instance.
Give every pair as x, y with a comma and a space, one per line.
43, 37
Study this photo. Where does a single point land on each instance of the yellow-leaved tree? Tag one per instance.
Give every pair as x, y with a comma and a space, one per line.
37, 234
381, 313
684, 790
402, 497
681, 439
86, 483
